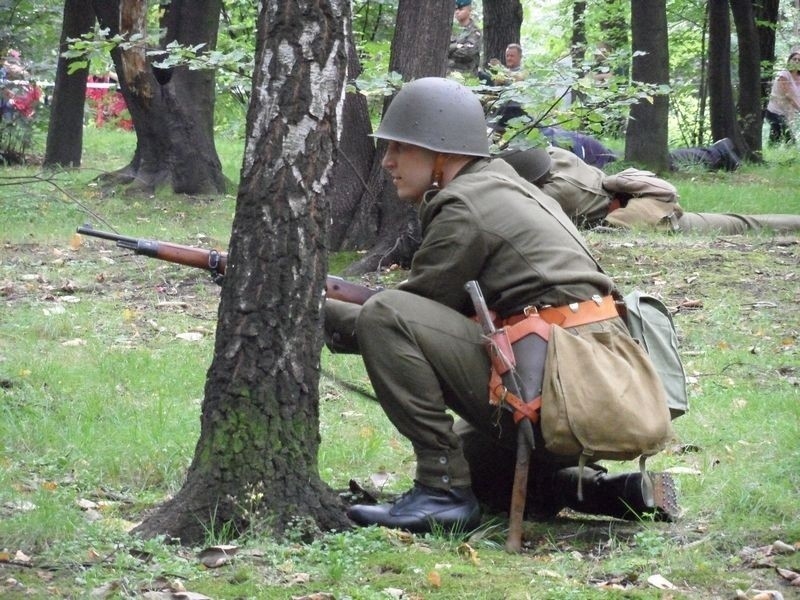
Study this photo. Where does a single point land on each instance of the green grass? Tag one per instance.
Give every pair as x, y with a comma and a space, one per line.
100, 399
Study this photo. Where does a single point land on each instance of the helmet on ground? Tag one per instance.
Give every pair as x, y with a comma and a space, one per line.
438, 114
530, 163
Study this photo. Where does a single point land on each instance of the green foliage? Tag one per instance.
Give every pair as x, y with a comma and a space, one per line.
99, 403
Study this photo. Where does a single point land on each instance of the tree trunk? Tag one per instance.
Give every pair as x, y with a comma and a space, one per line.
502, 21
351, 169
720, 89
766, 16
65, 130
749, 105
257, 453
419, 49
173, 120
647, 132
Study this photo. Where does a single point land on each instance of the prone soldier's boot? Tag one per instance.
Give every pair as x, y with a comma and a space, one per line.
621, 496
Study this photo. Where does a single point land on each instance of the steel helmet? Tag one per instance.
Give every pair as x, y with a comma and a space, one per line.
531, 163
437, 114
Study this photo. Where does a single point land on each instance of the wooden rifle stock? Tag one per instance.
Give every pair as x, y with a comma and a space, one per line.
216, 261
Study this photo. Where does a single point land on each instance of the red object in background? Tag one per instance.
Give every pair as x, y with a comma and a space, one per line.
108, 103
25, 102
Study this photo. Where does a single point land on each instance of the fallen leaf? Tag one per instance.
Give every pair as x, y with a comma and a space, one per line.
790, 576
191, 336
660, 582
779, 547
434, 579
379, 479
216, 556
467, 551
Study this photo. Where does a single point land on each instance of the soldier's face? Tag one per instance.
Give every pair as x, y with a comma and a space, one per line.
411, 169
462, 14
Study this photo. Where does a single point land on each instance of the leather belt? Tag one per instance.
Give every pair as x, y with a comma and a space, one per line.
599, 308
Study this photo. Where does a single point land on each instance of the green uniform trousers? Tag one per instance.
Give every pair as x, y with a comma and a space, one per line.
423, 358
734, 223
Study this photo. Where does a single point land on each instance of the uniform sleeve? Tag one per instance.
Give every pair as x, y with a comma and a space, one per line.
467, 46
453, 252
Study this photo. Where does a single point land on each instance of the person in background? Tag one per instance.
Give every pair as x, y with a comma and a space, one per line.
497, 74
425, 356
784, 101
590, 198
464, 54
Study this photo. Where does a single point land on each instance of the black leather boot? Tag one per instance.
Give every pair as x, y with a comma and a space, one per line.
619, 496
423, 509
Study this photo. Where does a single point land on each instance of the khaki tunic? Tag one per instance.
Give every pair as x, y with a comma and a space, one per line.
464, 53
422, 352
581, 191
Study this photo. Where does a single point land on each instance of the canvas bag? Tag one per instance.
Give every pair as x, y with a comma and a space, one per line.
601, 395
650, 200
651, 324
602, 399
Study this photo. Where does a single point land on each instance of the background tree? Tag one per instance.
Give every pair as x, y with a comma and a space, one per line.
172, 109
766, 16
502, 20
173, 115
65, 131
721, 105
257, 453
381, 223
748, 106
647, 132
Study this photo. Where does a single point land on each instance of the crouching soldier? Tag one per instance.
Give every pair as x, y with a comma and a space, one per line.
425, 356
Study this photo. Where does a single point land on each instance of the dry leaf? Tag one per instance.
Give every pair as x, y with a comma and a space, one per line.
315, 596
467, 551
779, 547
660, 582
191, 336
216, 556
790, 576
434, 579
379, 479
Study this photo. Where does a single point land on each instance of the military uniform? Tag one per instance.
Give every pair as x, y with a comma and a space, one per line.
422, 352
586, 195
465, 49
424, 355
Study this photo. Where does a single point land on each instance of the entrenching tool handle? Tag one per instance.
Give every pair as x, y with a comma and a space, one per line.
516, 513
519, 493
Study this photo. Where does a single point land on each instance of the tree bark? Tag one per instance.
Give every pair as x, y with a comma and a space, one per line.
766, 16
749, 104
721, 105
502, 21
256, 459
646, 136
174, 120
419, 49
65, 131
354, 156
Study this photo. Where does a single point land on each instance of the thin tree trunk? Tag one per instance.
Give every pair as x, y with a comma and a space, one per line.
65, 131
647, 132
